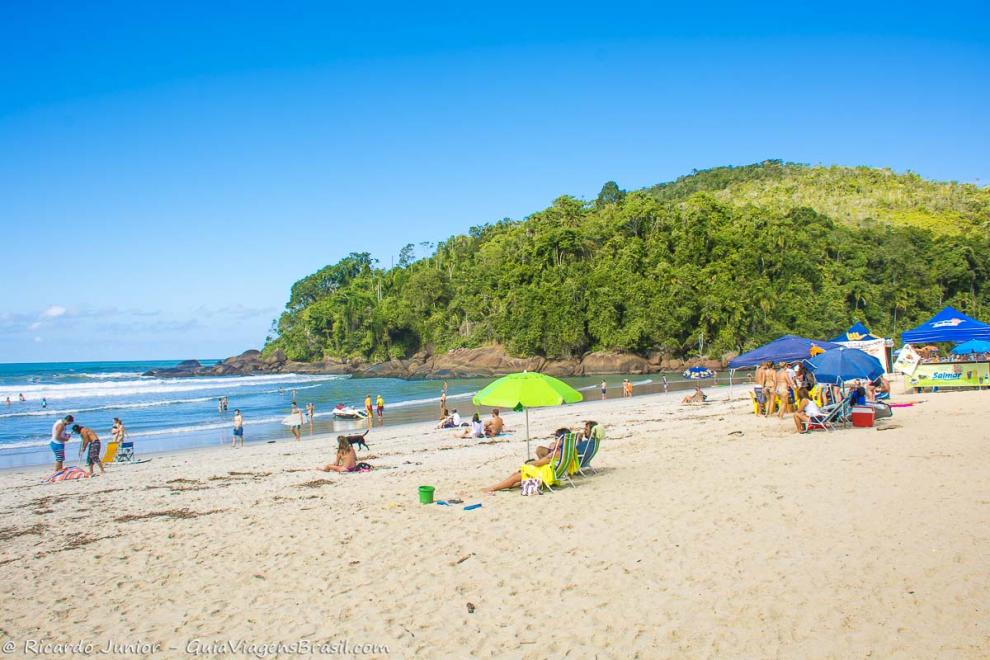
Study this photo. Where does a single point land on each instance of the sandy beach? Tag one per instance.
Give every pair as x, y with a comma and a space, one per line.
707, 532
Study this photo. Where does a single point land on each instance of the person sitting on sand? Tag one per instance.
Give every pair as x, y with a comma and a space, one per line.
90, 445
477, 430
495, 425
451, 421
346, 457
806, 410
536, 468
697, 397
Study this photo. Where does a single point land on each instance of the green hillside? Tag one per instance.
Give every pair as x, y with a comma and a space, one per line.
853, 195
725, 258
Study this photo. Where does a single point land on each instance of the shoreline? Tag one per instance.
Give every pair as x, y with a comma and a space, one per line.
262, 432
706, 531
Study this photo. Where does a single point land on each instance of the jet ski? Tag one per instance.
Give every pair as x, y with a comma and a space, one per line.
347, 412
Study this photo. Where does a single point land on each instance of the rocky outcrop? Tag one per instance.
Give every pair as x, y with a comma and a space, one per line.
481, 362
614, 362
184, 369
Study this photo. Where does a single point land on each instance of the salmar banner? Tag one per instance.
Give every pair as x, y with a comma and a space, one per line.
951, 374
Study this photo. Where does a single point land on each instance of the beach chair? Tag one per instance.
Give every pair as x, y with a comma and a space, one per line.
566, 460
759, 399
126, 453
837, 413
111, 453
587, 449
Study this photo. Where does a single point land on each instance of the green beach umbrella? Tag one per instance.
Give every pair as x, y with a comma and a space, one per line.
526, 390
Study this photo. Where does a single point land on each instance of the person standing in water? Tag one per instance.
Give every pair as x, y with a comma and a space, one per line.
21, 397
90, 446
369, 411
665, 384
296, 421
238, 428
380, 404
604, 389
44, 402
60, 435
443, 399
310, 414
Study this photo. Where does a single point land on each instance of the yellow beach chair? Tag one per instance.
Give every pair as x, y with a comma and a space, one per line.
110, 455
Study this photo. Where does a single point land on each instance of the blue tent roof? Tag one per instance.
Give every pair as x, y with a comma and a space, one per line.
788, 348
972, 346
842, 364
948, 325
857, 332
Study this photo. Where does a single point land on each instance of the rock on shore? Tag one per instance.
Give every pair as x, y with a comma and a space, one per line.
481, 362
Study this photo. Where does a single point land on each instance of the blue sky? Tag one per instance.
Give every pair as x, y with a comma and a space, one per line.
168, 170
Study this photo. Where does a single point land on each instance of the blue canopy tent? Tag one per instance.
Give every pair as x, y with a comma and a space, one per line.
788, 348
948, 325
972, 346
857, 332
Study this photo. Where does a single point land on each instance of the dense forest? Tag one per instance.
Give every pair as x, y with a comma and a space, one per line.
719, 260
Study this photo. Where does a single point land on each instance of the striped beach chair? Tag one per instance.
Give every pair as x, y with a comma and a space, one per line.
588, 448
566, 462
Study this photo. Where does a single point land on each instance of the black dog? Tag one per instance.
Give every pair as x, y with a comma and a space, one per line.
357, 440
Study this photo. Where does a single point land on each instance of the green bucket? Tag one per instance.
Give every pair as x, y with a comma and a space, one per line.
426, 494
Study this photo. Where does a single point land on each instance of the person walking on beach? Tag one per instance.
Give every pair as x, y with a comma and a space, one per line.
380, 404
604, 389
443, 399
90, 446
238, 428
296, 421
60, 435
310, 414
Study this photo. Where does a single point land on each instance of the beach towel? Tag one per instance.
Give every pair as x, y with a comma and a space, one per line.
68, 474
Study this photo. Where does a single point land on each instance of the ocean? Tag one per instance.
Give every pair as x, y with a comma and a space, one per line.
168, 414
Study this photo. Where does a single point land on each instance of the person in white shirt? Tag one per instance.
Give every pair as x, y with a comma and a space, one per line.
60, 435
807, 410
477, 429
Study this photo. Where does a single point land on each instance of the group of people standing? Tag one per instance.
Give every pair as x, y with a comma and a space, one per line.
780, 385
627, 388
89, 445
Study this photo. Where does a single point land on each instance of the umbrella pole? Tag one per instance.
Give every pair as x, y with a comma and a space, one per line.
527, 435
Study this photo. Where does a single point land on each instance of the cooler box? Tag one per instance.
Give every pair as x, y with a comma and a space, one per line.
862, 416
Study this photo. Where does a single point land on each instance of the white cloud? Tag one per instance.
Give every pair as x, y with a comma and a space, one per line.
53, 312
38, 340
35, 325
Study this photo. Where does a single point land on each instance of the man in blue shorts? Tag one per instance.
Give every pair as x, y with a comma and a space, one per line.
60, 435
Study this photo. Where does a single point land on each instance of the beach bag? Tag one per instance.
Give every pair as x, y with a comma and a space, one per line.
531, 487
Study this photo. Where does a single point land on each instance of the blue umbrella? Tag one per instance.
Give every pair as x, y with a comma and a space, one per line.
972, 346
841, 364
